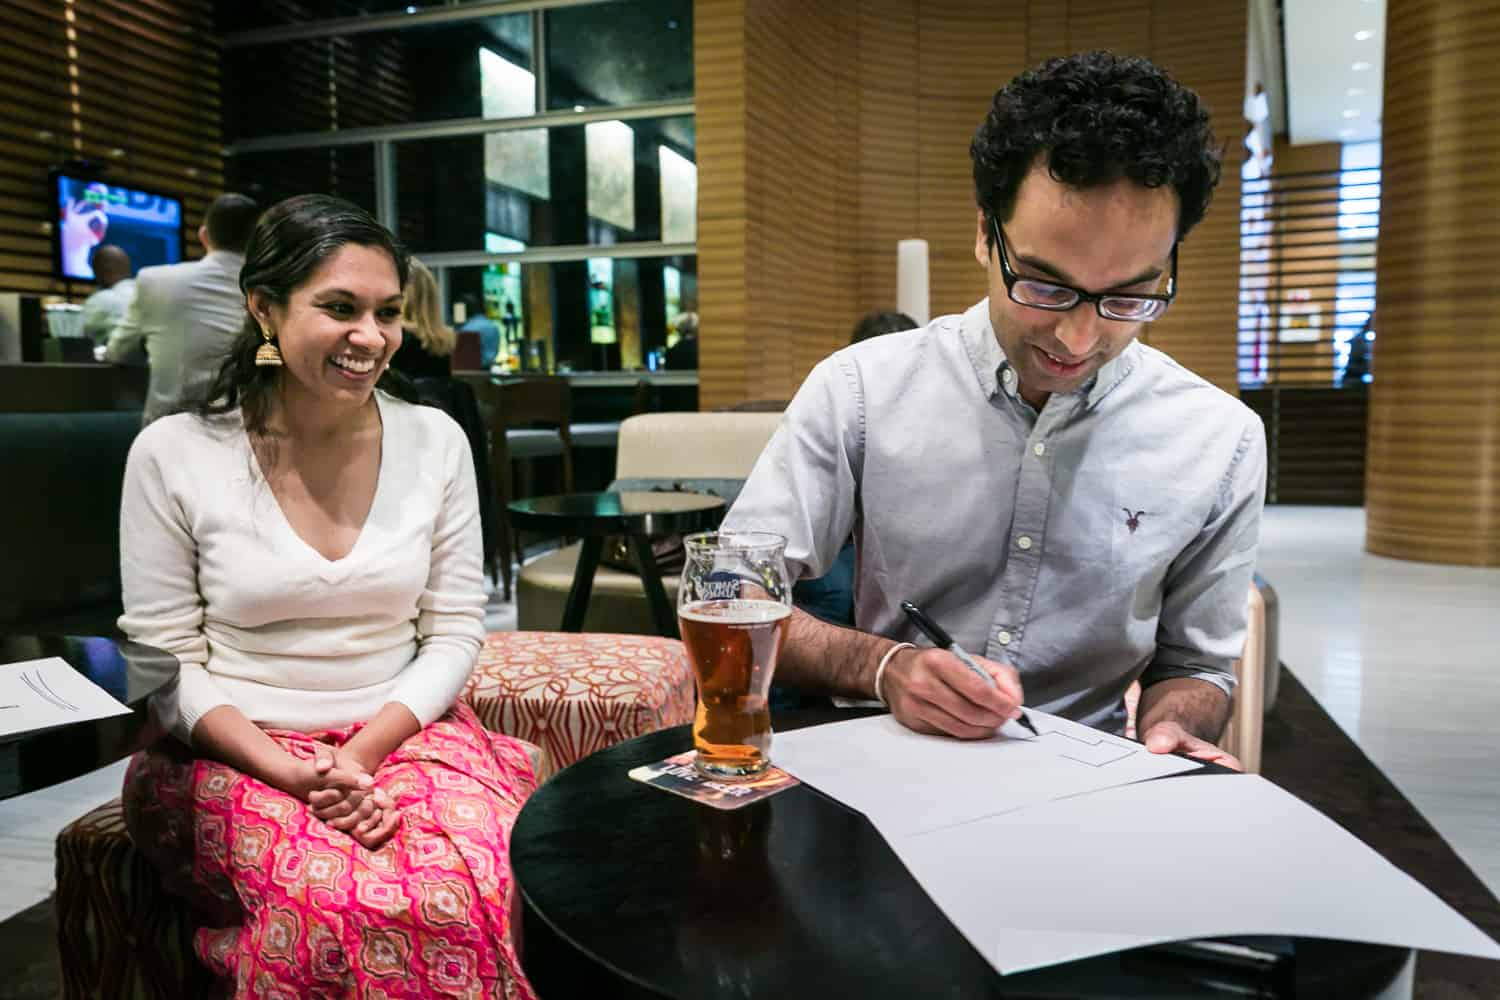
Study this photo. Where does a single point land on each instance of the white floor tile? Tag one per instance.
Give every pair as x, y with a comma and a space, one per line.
1406, 658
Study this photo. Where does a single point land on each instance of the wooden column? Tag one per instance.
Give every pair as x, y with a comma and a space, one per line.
1433, 480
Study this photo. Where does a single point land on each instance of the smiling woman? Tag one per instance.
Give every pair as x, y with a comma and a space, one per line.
326, 609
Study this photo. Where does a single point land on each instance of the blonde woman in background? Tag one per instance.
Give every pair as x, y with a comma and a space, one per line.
426, 341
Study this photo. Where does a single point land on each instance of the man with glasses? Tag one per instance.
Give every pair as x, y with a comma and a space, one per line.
1067, 501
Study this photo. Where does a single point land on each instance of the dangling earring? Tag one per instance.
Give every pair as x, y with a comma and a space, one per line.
269, 355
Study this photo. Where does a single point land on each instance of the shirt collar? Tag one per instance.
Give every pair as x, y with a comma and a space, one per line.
990, 363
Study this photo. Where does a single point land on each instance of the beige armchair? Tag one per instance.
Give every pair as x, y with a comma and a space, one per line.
652, 446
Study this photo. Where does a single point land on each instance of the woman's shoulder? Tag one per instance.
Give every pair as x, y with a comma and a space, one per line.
430, 426
185, 433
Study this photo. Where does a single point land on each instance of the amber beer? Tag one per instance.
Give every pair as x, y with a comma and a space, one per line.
733, 646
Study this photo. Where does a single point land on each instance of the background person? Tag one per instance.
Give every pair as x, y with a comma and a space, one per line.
187, 315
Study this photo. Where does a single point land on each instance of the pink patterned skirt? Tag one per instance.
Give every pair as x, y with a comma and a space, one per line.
298, 909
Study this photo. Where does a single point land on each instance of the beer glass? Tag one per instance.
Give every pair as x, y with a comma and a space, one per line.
733, 606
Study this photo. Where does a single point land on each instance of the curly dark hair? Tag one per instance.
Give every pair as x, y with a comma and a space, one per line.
1097, 117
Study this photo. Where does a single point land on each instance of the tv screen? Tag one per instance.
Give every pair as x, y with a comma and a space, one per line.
145, 225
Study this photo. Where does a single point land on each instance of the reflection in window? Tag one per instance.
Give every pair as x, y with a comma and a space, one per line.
602, 301
512, 159
671, 279
610, 154
679, 197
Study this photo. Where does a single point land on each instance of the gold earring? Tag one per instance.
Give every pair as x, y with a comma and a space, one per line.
269, 355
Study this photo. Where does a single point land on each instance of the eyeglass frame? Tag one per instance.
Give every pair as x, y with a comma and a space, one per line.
1010, 277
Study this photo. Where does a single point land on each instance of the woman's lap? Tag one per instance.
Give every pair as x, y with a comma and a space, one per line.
305, 908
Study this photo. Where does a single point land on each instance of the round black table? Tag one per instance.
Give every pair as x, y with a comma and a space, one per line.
637, 516
628, 891
129, 671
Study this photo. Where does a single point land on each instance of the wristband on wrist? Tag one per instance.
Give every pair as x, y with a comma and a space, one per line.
885, 662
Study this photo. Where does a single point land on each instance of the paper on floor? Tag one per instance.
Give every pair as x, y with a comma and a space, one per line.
40, 694
906, 782
1205, 856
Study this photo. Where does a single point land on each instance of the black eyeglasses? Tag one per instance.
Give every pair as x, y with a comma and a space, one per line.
1060, 298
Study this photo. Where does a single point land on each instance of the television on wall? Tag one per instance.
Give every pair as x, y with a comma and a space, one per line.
145, 224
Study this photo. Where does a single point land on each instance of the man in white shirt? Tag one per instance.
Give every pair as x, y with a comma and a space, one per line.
103, 310
1073, 505
187, 315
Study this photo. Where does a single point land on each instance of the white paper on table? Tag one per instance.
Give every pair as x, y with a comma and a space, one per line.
907, 782
1172, 860
40, 694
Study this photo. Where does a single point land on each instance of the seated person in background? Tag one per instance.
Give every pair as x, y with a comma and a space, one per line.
478, 321
426, 341
1068, 502
187, 314
308, 547
831, 596
103, 310
683, 355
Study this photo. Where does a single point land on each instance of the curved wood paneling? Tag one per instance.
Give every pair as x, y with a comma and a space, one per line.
1433, 487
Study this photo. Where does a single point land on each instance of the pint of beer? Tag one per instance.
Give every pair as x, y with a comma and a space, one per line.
733, 607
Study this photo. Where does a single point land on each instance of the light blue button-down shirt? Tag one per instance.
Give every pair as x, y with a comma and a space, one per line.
1107, 538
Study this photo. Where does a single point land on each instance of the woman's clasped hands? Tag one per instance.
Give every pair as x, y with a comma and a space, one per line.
343, 794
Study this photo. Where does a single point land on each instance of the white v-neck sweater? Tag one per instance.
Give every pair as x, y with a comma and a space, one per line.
214, 574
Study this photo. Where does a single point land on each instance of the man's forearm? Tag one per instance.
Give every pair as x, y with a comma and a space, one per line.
820, 658
1197, 706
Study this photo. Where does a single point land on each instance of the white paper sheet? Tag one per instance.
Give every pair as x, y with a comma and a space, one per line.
905, 782
40, 694
1170, 860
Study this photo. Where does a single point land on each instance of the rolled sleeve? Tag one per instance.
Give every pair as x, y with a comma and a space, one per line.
804, 486
1201, 629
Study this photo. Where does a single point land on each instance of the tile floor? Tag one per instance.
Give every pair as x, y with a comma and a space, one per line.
1404, 656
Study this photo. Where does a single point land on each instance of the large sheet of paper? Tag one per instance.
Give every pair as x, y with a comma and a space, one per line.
40, 694
905, 782
1171, 860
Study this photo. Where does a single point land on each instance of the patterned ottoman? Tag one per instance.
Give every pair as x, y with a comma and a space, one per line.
575, 693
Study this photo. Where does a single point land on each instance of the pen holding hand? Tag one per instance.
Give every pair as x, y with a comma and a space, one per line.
931, 693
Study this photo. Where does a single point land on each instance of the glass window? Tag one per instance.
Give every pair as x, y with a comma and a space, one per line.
467, 69
602, 314
241, 16
619, 53
345, 171
602, 182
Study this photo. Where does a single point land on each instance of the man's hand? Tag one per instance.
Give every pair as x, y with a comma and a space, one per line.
931, 691
1169, 737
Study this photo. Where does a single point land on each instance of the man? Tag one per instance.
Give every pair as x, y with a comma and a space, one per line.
187, 315
1067, 501
478, 321
103, 310
683, 355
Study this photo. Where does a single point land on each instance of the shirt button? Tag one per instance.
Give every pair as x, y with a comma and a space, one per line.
1003, 638
1024, 542
1039, 449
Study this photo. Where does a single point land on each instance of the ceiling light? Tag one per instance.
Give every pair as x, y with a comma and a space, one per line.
1351, 112
1354, 92
1364, 35
1346, 133
1360, 66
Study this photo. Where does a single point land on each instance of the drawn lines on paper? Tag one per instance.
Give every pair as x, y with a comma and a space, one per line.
43, 690
1095, 752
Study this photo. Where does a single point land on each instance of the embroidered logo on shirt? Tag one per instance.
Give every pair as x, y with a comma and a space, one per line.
1133, 521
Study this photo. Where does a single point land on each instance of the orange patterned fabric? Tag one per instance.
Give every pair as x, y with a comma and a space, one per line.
575, 693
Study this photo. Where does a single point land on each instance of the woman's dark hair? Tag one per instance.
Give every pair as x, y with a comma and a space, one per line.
1097, 117
291, 241
878, 324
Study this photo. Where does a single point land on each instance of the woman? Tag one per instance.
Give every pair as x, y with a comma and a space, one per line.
307, 545
426, 344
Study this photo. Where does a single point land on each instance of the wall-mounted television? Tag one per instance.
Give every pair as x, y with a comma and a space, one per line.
90, 211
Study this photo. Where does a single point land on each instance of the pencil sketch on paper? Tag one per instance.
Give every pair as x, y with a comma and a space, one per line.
1096, 750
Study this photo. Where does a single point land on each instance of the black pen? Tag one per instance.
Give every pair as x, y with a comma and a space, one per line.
943, 640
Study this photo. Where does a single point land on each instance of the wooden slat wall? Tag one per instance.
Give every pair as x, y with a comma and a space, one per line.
811, 168
1433, 487
130, 83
